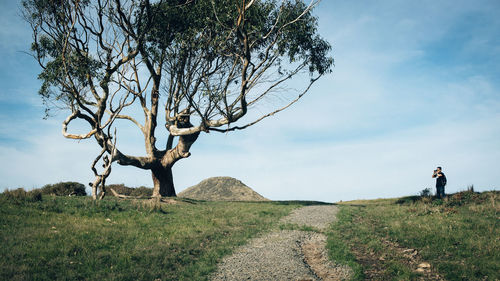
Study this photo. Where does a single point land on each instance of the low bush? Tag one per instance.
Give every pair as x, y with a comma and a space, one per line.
466, 197
119, 188
20, 195
426, 192
129, 191
64, 189
408, 199
142, 192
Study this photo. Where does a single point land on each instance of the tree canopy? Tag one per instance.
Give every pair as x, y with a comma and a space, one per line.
204, 63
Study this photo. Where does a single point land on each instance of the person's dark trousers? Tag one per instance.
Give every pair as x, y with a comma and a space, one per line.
440, 192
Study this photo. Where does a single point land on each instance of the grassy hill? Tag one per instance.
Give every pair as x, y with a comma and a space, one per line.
222, 189
392, 239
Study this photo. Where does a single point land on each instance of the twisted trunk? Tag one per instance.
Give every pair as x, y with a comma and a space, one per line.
162, 171
159, 162
163, 181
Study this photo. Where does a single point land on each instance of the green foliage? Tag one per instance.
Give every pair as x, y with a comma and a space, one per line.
64, 64
457, 235
67, 68
426, 192
300, 41
141, 191
64, 189
19, 196
214, 59
68, 238
408, 199
466, 197
202, 28
81, 45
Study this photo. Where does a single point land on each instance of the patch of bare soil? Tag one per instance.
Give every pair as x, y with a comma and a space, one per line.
316, 257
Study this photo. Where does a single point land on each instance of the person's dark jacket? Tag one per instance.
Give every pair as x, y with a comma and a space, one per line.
441, 180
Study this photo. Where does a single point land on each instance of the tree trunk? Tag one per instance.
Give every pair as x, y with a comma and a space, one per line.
162, 170
163, 182
94, 191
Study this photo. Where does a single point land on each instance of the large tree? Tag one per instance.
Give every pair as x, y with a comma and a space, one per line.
200, 66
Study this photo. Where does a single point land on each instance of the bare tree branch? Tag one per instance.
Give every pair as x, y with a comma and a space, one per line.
207, 63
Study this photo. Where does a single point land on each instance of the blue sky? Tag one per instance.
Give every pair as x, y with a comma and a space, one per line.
415, 85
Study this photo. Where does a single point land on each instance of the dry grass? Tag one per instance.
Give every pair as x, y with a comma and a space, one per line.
458, 236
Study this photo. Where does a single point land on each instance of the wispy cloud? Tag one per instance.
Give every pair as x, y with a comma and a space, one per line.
415, 86
391, 165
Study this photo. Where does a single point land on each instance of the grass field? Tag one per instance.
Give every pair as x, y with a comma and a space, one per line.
74, 238
387, 239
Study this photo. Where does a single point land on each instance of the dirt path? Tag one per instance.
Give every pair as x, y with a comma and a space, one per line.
287, 254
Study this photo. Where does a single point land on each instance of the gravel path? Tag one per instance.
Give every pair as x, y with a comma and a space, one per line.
287, 254
315, 216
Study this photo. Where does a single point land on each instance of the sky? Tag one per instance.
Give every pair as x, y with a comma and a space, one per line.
416, 84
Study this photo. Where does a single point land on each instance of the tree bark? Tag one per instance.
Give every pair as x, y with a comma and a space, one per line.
163, 181
161, 170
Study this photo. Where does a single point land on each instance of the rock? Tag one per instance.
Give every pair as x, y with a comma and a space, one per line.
424, 265
421, 270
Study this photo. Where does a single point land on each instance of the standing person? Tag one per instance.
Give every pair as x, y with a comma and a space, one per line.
440, 182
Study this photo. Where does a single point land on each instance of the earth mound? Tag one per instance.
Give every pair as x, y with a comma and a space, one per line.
221, 189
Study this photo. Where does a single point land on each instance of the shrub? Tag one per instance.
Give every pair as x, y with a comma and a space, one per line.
119, 188
142, 192
426, 192
20, 195
464, 197
64, 189
408, 199
129, 191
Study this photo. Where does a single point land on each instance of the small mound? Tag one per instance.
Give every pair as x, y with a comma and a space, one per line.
221, 189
